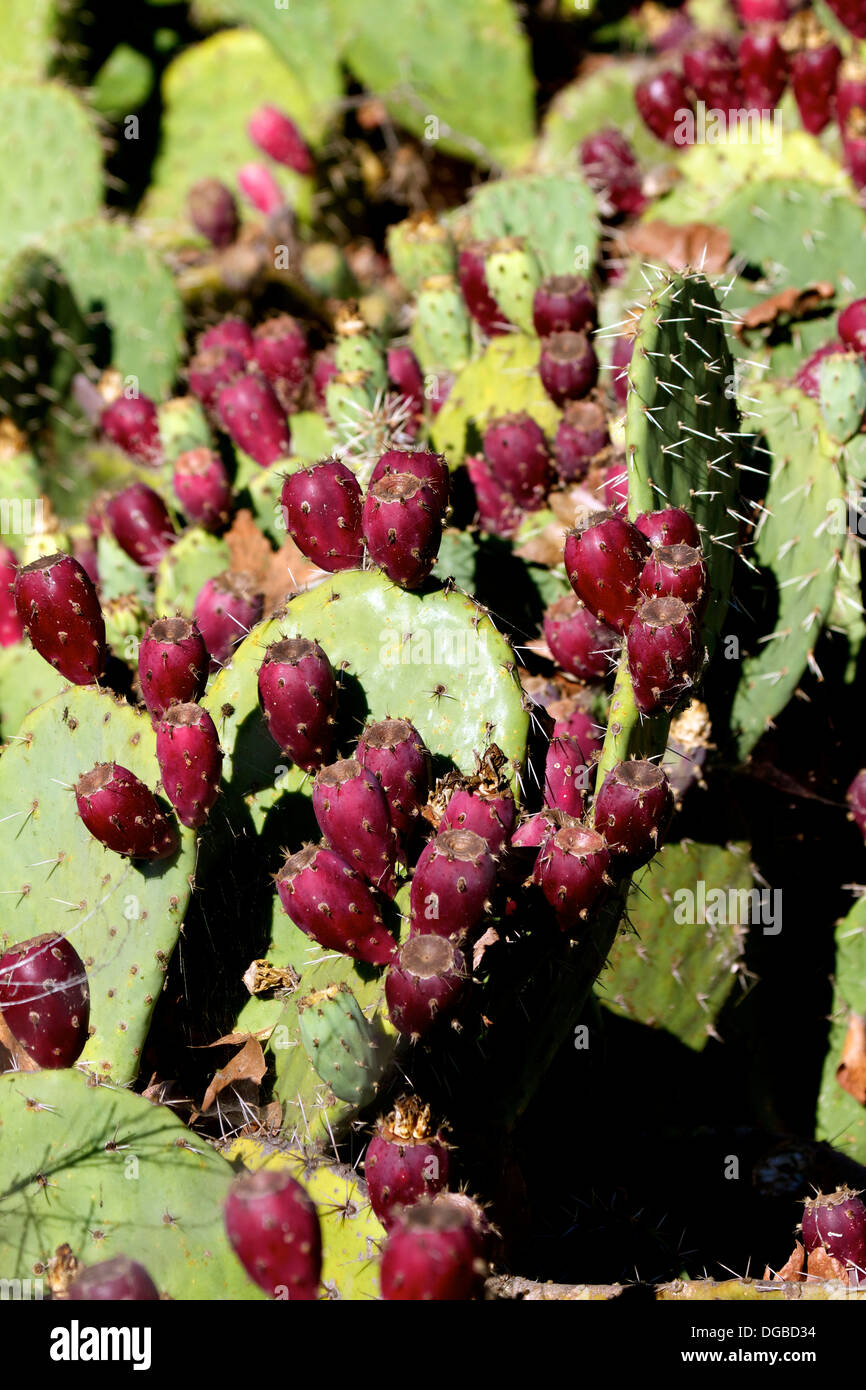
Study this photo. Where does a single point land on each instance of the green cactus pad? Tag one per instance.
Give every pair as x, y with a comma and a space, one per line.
118, 573
841, 1119
183, 426
503, 380
683, 434
513, 275
345, 1050
797, 233
51, 172
184, 570
843, 394
395, 649
797, 547
555, 213
458, 75
602, 99
123, 83
108, 1173
362, 352
678, 971
419, 248
122, 918
441, 332
26, 680
203, 114
351, 1233
27, 31
113, 270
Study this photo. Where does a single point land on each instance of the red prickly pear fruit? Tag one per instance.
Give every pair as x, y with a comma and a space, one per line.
851, 324
808, 378
211, 370
489, 814
11, 626
612, 171
402, 520
670, 526
815, 61
282, 356
202, 487
251, 413
190, 762
172, 665
566, 775
763, 11
406, 1159
273, 1228
430, 468
616, 486
620, 361
226, 609
632, 811
763, 68
59, 608
329, 901
323, 509
324, 369
279, 138
353, 816
452, 883
45, 999
260, 188
120, 1280
213, 212
581, 645
298, 696
572, 872
498, 513
231, 334
435, 1253
677, 571
664, 652
568, 366
473, 284
836, 1223
132, 423
532, 832
404, 372
851, 13
563, 304
426, 982
580, 726
516, 450
604, 557
850, 91
710, 69
856, 798
123, 814
581, 435
393, 750
141, 524
661, 101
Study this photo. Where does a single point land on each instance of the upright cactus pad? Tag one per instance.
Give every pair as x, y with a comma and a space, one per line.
556, 214
122, 917
841, 1119
344, 1049
504, 380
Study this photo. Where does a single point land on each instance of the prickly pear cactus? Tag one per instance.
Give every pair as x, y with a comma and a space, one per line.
841, 1117
351, 1234
185, 569
799, 546
123, 918
679, 965
556, 215
122, 1176
503, 380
